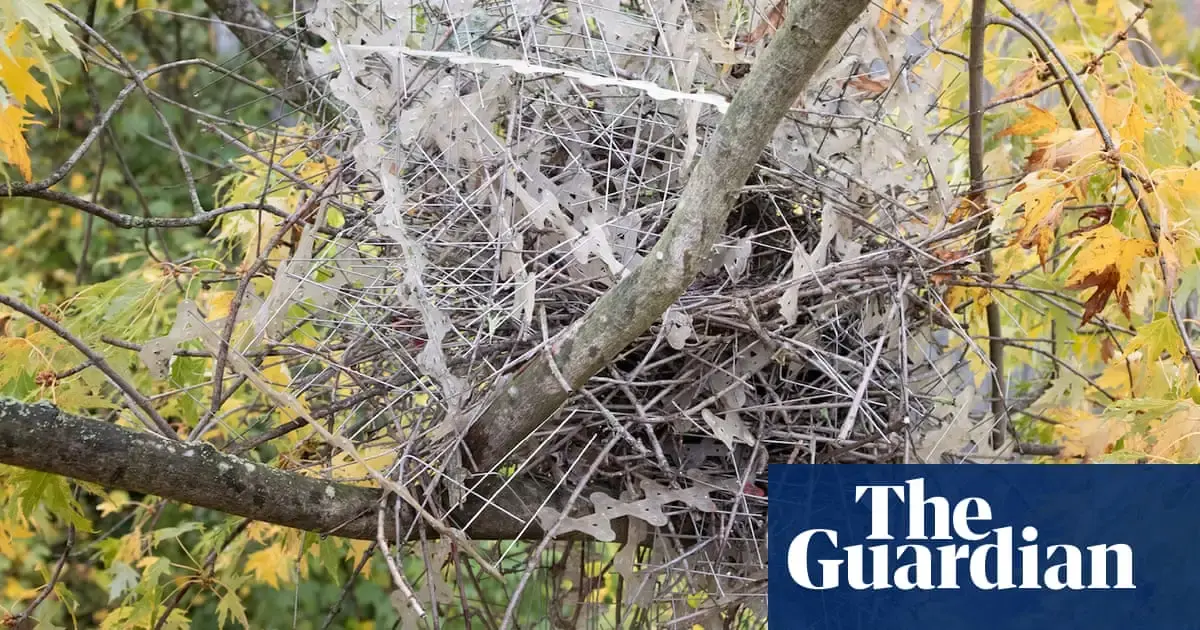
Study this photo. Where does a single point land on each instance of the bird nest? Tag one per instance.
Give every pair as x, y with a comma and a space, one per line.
520, 164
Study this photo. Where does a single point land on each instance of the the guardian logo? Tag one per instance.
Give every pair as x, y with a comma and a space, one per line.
948, 546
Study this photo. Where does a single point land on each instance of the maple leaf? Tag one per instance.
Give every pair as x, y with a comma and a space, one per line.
48, 24
1025, 81
952, 258
1064, 147
13, 122
1042, 216
1108, 349
872, 87
230, 607
1134, 127
1106, 263
1082, 434
1113, 111
965, 209
270, 565
892, 10
1038, 120
14, 72
1156, 339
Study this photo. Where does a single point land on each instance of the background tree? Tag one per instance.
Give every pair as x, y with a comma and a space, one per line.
436, 314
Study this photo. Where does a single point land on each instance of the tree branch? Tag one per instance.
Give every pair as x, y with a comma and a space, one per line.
283, 56
977, 196
535, 393
42, 437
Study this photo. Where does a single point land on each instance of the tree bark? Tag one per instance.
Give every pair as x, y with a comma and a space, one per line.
283, 56
42, 437
777, 79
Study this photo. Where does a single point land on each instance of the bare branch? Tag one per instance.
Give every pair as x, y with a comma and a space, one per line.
130, 221
978, 197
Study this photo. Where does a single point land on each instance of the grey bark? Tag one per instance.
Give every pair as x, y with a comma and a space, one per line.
42, 437
281, 55
622, 314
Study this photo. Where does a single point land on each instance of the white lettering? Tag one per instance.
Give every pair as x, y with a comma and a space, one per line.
912, 565
879, 508
1100, 565
798, 561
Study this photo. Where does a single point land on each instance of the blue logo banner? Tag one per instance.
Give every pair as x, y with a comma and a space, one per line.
984, 547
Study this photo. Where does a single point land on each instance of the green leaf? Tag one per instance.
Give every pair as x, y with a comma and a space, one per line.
46, 22
124, 579
177, 620
153, 572
52, 492
230, 605
46, 624
169, 533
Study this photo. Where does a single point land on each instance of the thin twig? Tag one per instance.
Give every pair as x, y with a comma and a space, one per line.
397, 574
153, 420
48, 588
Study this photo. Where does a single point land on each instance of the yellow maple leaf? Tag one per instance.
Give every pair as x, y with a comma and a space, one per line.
1106, 263
1175, 437
1038, 120
11, 531
1113, 111
1177, 99
1083, 435
14, 590
270, 565
377, 457
1043, 214
14, 73
262, 532
950, 11
13, 122
218, 304
1133, 130
116, 501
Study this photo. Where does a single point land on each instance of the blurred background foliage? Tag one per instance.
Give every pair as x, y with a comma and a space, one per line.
55, 250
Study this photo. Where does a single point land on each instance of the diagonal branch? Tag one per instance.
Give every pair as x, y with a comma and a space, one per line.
535, 393
139, 404
282, 55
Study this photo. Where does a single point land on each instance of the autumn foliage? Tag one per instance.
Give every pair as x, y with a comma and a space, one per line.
1093, 200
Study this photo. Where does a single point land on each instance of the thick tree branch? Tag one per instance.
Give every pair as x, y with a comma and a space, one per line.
281, 54
41, 437
535, 393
